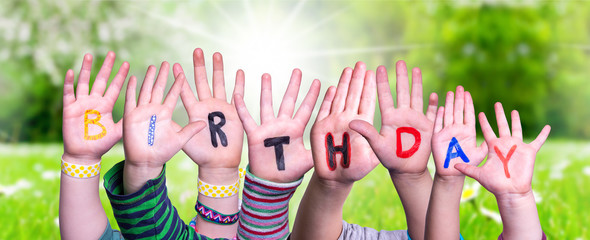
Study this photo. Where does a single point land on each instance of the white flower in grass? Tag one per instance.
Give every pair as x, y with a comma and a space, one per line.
50, 175
56, 221
11, 189
491, 214
470, 191
538, 197
586, 171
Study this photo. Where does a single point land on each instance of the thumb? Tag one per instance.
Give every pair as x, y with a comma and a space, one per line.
190, 130
367, 131
483, 150
469, 170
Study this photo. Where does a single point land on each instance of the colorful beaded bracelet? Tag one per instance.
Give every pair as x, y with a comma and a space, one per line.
213, 216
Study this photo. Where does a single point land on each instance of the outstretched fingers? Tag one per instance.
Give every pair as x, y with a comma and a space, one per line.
432, 105
383, 90
448, 121
266, 110
326, 103
130, 103
438, 122
218, 78
288, 104
417, 102
100, 83
469, 118
459, 105
486, 129
341, 91
402, 85
203, 91
84, 76
516, 127
306, 108
540, 140
69, 95
367, 103
503, 129
355, 90
160, 85
172, 97
247, 120
239, 85
145, 94
115, 88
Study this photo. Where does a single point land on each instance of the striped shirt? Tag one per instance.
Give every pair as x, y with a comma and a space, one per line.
265, 208
147, 213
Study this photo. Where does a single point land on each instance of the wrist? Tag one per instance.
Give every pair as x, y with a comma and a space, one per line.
135, 176
331, 186
410, 177
219, 175
515, 200
80, 158
449, 179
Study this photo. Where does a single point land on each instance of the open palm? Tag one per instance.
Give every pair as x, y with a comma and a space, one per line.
459, 124
515, 176
208, 149
103, 133
408, 114
296, 159
353, 99
150, 135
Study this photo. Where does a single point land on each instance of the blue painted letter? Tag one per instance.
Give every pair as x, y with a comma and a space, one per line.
459, 152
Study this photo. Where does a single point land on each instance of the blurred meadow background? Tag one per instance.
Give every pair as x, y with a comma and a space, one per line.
533, 56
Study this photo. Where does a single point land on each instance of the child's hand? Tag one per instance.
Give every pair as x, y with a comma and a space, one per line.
281, 135
413, 151
510, 164
221, 146
149, 133
351, 157
88, 127
456, 142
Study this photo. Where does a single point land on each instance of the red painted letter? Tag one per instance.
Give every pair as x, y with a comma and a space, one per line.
505, 160
408, 153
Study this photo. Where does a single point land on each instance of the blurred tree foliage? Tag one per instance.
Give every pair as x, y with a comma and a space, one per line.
530, 56
527, 56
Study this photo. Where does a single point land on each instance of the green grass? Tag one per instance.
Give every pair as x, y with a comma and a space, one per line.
561, 178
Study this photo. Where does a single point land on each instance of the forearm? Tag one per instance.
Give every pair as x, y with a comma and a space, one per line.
265, 208
519, 216
414, 193
320, 212
442, 219
225, 205
80, 211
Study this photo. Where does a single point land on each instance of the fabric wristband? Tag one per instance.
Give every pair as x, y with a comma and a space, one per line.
79, 170
216, 217
220, 191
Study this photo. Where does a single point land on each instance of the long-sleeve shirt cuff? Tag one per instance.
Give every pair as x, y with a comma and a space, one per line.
147, 213
265, 208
